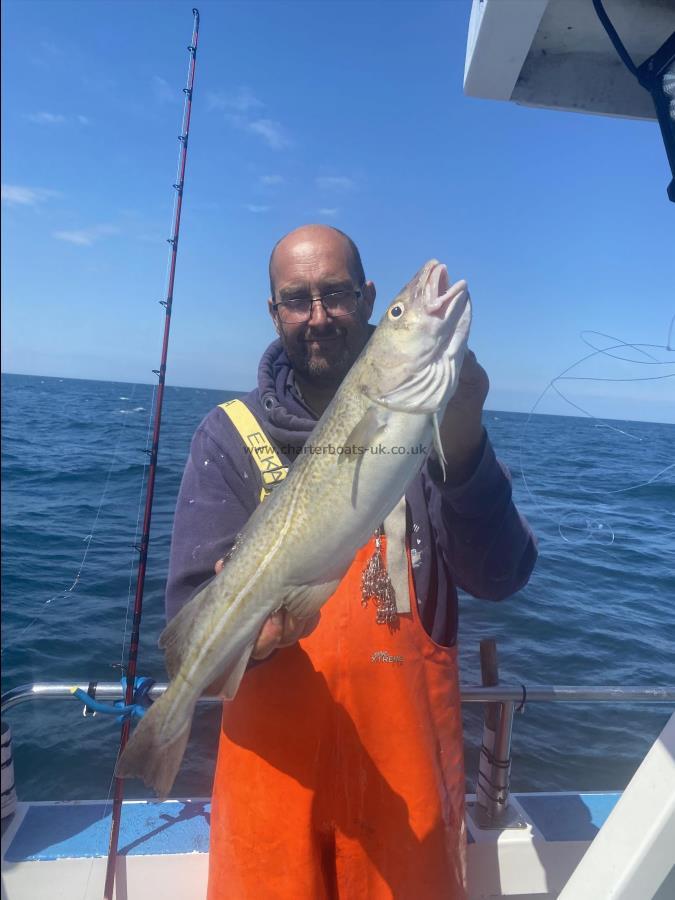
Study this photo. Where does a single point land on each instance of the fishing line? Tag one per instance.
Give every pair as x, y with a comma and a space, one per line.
606, 350
576, 527
634, 487
167, 276
106, 805
89, 537
148, 442
132, 564
134, 640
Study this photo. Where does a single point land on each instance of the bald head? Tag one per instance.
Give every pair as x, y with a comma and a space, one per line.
320, 239
309, 263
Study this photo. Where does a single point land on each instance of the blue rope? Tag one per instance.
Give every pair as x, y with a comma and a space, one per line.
135, 710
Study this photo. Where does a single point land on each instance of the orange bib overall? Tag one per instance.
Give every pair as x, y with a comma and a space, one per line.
340, 769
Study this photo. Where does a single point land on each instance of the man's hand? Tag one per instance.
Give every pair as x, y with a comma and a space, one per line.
280, 630
461, 428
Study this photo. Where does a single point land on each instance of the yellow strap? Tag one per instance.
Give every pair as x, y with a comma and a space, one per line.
272, 470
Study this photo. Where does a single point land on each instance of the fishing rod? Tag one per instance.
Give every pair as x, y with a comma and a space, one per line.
145, 539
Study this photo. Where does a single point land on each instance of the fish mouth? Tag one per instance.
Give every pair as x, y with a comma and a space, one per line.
439, 293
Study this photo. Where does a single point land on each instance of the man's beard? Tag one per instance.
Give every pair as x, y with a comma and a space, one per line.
321, 371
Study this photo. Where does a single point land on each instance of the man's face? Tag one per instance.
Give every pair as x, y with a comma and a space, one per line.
321, 349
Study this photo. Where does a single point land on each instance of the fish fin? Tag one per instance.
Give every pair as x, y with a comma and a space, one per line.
149, 755
363, 433
307, 599
228, 683
176, 639
355, 480
438, 445
422, 392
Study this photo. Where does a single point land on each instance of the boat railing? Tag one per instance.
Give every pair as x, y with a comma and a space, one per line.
495, 766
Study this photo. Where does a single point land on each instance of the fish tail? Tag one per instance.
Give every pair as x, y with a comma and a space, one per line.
151, 753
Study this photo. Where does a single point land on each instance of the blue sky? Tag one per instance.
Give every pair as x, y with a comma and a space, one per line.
340, 112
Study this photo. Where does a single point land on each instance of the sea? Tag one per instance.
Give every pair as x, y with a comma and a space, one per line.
599, 608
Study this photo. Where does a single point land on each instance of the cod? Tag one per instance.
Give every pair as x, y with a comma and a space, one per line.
392, 398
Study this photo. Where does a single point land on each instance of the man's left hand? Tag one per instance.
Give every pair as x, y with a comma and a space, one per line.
461, 428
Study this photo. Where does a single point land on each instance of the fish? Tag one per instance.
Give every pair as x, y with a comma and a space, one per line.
392, 398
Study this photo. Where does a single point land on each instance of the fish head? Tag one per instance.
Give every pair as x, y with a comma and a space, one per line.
419, 345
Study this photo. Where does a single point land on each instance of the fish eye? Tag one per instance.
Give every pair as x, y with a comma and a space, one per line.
396, 311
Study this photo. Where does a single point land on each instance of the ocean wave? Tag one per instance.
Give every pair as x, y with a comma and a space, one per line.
74, 463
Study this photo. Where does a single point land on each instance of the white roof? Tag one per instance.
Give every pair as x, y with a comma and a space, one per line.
556, 53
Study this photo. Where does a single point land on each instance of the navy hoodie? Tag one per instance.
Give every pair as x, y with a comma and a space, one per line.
469, 536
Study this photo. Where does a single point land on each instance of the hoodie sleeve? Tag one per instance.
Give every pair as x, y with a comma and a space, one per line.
217, 496
488, 545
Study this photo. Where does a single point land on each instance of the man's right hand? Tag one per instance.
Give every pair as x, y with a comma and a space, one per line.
280, 630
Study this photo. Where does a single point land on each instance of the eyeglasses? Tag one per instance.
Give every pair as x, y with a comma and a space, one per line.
335, 304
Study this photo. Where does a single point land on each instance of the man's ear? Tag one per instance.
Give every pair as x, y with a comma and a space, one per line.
369, 293
273, 315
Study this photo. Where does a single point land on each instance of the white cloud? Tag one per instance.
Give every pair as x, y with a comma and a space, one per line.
268, 180
271, 132
252, 207
242, 99
45, 118
85, 237
163, 90
239, 106
328, 211
335, 183
75, 237
16, 195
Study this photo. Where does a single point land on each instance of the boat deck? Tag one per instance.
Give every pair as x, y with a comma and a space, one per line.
58, 850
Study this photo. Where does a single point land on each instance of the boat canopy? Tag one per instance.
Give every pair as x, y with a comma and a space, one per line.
557, 53
616, 59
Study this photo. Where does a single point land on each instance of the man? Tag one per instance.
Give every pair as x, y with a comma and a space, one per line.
340, 766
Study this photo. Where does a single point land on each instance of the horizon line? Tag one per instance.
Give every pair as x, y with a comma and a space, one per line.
187, 387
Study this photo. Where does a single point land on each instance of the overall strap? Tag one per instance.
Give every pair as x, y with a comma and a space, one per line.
272, 470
